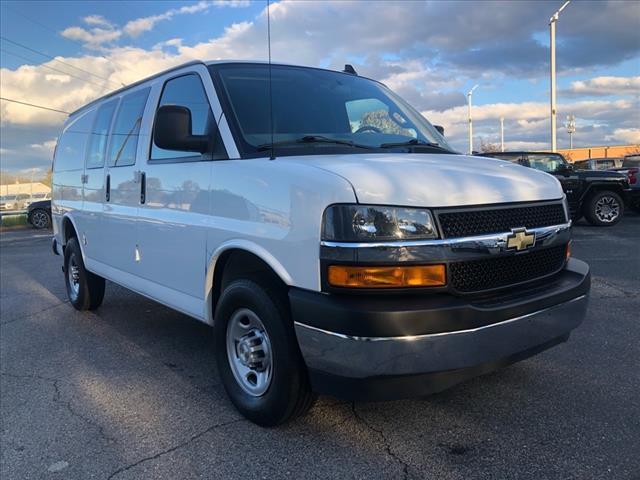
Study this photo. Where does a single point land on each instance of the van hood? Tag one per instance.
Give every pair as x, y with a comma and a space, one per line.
435, 180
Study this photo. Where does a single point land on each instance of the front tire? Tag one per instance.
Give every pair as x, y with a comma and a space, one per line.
257, 355
604, 209
84, 289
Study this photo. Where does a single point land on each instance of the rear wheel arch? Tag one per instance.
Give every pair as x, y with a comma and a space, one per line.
68, 229
597, 188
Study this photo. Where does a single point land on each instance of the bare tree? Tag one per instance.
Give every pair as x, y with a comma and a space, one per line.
487, 147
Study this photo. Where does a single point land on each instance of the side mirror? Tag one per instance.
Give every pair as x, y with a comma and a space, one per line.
440, 129
565, 168
172, 130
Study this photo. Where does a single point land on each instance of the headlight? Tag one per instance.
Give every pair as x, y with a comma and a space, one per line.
369, 223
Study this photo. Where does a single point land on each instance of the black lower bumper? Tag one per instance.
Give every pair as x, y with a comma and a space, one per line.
383, 347
397, 387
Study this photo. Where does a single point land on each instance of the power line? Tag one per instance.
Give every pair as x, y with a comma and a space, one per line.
51, 68
56, 60
32, 105
57, 34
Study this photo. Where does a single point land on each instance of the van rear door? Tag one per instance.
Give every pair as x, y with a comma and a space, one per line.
68, 170
93, 195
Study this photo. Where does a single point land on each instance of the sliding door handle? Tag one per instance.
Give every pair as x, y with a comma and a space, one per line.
143, 187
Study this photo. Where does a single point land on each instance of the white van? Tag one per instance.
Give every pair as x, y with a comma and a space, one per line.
324, 228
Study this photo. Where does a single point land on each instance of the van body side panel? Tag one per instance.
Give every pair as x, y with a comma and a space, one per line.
172, 226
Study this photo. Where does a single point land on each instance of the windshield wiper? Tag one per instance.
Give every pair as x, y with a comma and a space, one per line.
415, 142
311, 139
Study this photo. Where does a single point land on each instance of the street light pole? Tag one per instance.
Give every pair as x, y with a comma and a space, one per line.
502, 134
470, 119
552, 28
571, 128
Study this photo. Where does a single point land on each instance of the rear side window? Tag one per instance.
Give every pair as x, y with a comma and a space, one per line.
581, 165
604, 164
631, 161
188, 91
124, 137
71, 146
99, 134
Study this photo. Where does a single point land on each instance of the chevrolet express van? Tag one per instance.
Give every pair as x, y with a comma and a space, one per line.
326, 230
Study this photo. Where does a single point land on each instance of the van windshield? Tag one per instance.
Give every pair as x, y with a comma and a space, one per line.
316, 110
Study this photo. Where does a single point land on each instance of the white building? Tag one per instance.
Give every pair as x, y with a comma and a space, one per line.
28, 188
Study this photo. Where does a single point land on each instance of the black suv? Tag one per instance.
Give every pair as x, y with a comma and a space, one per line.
39, 214
597, 195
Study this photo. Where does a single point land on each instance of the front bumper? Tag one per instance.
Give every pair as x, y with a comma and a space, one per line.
395, 347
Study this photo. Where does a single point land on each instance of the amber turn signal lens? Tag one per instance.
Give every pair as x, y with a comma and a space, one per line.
568, 251
387, 277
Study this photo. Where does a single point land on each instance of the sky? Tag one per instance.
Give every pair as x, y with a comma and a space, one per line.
431, 53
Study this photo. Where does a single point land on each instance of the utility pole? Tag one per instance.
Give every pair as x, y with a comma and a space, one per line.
470, 119
571, 128
552, 28
502, 134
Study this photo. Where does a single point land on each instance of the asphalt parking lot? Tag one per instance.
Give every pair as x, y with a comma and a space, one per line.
131, 391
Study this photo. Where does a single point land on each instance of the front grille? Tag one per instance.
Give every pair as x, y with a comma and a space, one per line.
491, 273
499, 220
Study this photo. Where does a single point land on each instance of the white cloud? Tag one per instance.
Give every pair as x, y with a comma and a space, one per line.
625, 135
53, 77
232, 3
102, 32
44, 149
93, 37
137, 27
97, 20
321, 34
527, 123
605, 85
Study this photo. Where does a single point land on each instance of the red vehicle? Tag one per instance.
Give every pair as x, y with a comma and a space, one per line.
631, 168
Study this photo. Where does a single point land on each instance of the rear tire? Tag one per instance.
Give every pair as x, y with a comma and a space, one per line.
84, 289
258, 356
604, 209
40, 218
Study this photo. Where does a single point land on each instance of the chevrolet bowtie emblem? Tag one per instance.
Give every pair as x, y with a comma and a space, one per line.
520, 239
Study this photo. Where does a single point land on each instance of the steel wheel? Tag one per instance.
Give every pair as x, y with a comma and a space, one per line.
73, 275
40, 219
607, 209
249, 352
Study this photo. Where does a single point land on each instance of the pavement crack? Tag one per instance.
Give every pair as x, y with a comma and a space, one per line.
30, 376
174, 448
28, 315
385, 441
57, 398
615, 287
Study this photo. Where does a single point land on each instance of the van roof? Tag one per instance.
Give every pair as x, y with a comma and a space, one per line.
177, 67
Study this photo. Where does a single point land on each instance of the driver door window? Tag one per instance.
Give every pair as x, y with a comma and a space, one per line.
188, 91
372, 115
